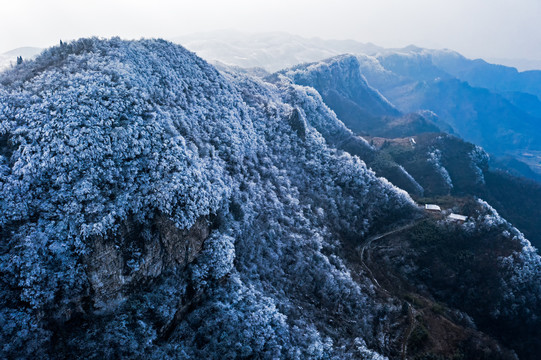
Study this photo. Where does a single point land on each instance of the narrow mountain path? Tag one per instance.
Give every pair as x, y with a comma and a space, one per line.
361, 250
373, 238
412, 322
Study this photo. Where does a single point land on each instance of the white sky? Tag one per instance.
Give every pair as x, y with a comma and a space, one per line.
476, 28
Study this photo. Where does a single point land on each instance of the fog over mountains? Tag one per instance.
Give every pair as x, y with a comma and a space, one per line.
9, 58
271, 51
155, 205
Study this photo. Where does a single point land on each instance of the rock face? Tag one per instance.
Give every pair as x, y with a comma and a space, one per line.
139, 253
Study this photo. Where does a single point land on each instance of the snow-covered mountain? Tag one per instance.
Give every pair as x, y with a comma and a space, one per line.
113, 153
362, 108
155, 207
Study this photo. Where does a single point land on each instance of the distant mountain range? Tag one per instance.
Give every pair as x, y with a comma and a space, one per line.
519, 64
499, 122
271, 51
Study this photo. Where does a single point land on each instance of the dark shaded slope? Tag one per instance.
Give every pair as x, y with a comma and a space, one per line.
440, 267
445, 165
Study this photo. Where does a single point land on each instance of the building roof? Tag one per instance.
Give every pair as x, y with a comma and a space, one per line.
432, 207
458, 217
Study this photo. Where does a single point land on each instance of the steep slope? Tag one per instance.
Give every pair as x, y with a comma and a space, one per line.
362, 108
156, 208
344, 89
145, 191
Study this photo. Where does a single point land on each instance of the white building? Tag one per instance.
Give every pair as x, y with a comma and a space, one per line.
432, 207
457, 217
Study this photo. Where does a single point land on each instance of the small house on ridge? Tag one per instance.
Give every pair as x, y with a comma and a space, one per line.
432, 207
457, 217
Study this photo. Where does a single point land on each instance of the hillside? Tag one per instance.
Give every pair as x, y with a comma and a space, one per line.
154, 207
444, 165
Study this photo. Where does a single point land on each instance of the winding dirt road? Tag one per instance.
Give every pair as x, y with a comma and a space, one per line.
361, 250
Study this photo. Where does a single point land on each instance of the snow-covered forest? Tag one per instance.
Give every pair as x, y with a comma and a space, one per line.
154, 207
